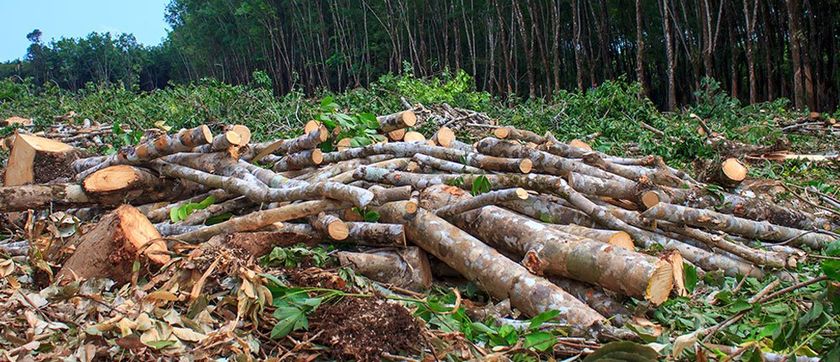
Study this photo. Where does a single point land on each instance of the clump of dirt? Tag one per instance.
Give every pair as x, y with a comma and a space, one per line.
315, 278
363, 328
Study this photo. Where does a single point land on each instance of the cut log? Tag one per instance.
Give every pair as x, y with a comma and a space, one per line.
243, 131
499, 276
300, 160
382, 195
396, 121
35, 197
407, 268
284, 147
159, 211
618, 238
368, 233
222, 142
412, 136
344, 143
200, 216
713, 220
444, 137
120, 178
728, 173
38, 160
489, 198
580, 144
553, 252
511, 133
111, 247
397, 134
330, 226
184, 141
549, 209
260, 219
310, 126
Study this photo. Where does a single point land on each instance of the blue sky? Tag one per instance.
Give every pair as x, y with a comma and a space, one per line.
75, 18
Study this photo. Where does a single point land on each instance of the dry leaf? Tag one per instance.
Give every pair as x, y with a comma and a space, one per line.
189, 335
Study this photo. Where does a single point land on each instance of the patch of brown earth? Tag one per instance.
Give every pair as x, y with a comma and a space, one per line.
362, 329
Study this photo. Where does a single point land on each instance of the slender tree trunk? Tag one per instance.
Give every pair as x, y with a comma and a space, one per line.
749, 20
640, 50
795, 34
578, 47
669, 54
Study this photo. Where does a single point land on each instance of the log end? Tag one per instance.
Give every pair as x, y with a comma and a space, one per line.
734, 170
445, 136
343, 144
526, 165
244, 134
233, 138
323, 133
397, 135
521, 193
113, 178
317, 156
580, 144
651, 198
311, 126
413, 136
206, 135
338, 230
622, 239
501, 132
142, 234
661, 283
409, 118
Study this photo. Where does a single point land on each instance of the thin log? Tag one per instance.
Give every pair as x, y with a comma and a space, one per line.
444, 165
284, 147
368, 233
613, 237
713, 220
407, 149
510, 133
330, 226
260, 219
547, 208
489, 198
543, 161
299, 160
222, 142
598, 299
382, 195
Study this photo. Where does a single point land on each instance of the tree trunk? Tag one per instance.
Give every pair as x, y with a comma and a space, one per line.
38, 160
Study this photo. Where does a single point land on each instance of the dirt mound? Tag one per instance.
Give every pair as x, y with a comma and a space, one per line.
363, 328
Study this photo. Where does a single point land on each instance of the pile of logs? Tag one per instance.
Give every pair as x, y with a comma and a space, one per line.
562, 227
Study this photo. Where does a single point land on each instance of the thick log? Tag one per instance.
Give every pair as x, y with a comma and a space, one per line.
414, 137
111, 247
284, 147
38, 160
368, 233
510, 133
260, 219
20, 198
222, 142
395, 121
406, 268
444, 137
184, 141
713, 220
490, 198
381, 195
299, 160
200, 216
614, 237
551, 251
547, 208
330, 226
499, 276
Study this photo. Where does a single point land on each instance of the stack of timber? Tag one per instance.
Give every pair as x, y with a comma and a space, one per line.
548, 225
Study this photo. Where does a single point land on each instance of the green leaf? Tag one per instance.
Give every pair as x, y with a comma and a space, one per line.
543, 317
371, 216
173, 214
288, 319
623, 351
690, 274
541, 341
160, 344
831, 267
480, 185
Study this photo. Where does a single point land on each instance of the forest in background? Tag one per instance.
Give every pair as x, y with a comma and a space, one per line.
757, 50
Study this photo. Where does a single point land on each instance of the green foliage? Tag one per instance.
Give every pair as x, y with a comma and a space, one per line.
360, 128
480, 185
831, 267
182, 212
290, 257
293, 305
